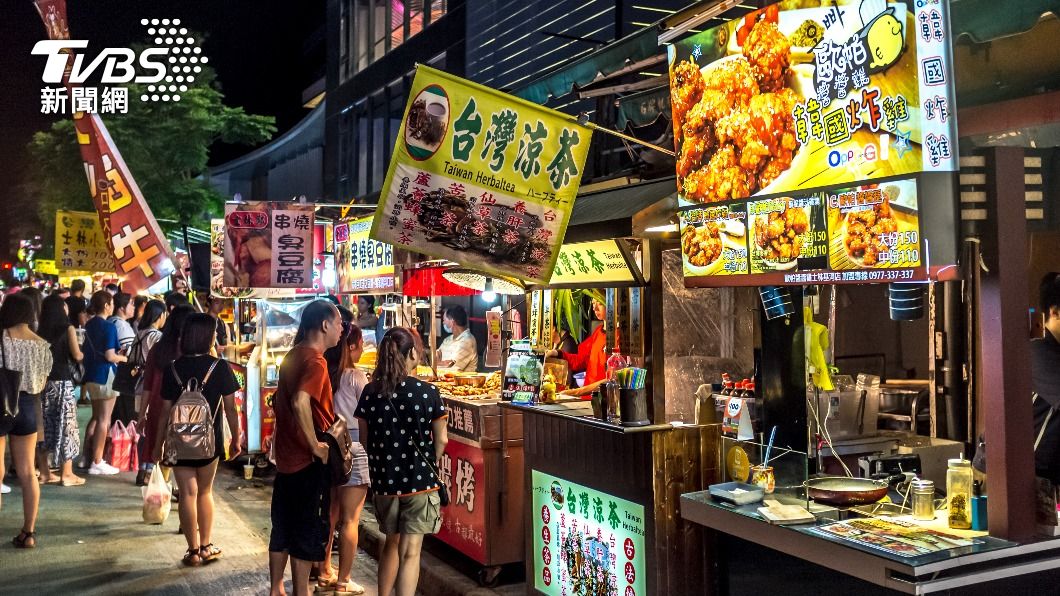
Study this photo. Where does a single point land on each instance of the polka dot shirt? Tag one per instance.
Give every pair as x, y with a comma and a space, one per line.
396, 467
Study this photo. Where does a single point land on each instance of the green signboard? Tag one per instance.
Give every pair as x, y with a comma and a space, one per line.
585, 542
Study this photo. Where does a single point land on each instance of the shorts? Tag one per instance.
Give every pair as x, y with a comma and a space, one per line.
413, 514
301, 504
25, 423
359, 476
99, 392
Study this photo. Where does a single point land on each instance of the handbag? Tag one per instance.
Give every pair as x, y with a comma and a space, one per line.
443, 490
127, 377
10, 381
340, 450
77, 371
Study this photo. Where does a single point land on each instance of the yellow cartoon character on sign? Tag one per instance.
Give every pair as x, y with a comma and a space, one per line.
882, 34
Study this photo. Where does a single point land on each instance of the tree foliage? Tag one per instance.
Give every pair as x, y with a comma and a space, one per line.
165, 144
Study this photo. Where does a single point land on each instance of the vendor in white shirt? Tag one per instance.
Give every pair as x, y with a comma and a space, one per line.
459, 350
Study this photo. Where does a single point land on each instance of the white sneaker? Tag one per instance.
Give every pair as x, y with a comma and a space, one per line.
4, 489
103, 469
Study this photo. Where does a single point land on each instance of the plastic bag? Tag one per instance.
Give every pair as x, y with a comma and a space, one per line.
120, 446
157, 498
133, 434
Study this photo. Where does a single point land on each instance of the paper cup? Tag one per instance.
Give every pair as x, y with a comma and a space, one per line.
248, 471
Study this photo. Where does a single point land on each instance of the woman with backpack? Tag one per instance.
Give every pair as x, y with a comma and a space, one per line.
403, 428
194, 376
25, 352
62, 439
159, 357
147, 335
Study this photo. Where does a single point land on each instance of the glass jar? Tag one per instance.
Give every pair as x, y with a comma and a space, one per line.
923, 496
959, 493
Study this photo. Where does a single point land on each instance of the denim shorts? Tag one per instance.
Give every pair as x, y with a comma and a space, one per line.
25, 423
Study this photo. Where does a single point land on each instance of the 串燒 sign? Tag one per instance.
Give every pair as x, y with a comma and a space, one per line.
268, 245
362, 264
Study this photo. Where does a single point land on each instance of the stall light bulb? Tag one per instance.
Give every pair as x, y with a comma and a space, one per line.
488, 295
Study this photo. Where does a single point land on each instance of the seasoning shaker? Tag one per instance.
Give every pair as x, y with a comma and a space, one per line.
923, 497
959, 493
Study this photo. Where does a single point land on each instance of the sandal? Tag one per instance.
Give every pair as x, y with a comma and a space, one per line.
349, 587
209, 553
23, 540
78, 481
327, 582
191, 558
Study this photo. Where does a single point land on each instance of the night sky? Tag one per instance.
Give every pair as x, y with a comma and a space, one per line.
256, 47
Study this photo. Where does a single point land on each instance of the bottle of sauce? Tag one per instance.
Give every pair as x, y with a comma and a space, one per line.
748, 389
726, 384
959, 493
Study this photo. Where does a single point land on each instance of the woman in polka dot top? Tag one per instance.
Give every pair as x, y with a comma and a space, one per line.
403, 428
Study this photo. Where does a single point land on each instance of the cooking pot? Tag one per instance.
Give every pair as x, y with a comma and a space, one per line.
845, 492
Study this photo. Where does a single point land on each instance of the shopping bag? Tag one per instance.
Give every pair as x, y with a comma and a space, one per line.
157, 496
120, 446
132, 431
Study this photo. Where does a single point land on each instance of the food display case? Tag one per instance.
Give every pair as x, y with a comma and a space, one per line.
276, 326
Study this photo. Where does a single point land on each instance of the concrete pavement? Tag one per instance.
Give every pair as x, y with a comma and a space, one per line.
92, 540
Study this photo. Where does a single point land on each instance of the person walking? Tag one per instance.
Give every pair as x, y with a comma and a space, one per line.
24, 351
195, 477
159, 357
301, 490
403, 428
347, 501
101, 359
62, 439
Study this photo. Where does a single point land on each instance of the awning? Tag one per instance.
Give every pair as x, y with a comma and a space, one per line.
987, 20
609, 213
635, 47
644, 108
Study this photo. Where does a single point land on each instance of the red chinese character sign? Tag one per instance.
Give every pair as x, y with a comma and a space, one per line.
140, 250
481, 178
585, 542
786, 100
464, 521
268, 245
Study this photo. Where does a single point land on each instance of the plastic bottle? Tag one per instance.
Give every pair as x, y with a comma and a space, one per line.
959, 493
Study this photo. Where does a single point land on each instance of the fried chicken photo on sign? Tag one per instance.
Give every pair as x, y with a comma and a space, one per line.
779, 233
864, 230
721, 180
768, 50
686, 89
764, 134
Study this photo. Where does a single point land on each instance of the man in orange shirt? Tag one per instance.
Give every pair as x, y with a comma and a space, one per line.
302, 489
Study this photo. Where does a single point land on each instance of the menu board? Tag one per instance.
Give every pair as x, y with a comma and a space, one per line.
79, 243
864, 233
786, 100
585, 542
894, 536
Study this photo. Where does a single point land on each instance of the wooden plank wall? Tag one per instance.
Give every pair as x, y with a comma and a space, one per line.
685, 461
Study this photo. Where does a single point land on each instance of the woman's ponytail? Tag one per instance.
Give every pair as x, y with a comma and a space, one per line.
393, 352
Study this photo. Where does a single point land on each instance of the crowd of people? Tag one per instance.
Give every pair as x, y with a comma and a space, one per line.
67, 346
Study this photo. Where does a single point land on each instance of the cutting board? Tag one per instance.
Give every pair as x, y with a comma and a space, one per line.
777, 513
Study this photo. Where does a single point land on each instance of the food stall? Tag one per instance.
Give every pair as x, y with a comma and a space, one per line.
603, 483
829, 472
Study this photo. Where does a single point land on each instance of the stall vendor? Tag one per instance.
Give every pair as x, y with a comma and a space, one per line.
1045, 382
592, 354
459, 350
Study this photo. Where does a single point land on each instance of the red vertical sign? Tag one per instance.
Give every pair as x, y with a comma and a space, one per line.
141, 252
464, 521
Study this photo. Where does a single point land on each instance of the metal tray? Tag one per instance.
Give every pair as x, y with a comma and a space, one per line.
737, 493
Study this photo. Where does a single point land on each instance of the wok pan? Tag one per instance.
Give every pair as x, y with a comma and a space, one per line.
845, 492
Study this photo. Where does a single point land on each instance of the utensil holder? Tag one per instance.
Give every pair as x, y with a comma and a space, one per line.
633, 407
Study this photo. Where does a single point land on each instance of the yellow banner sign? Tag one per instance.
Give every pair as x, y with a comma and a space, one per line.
362, 264
45, 267
481, 178
79, 243
598, 262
